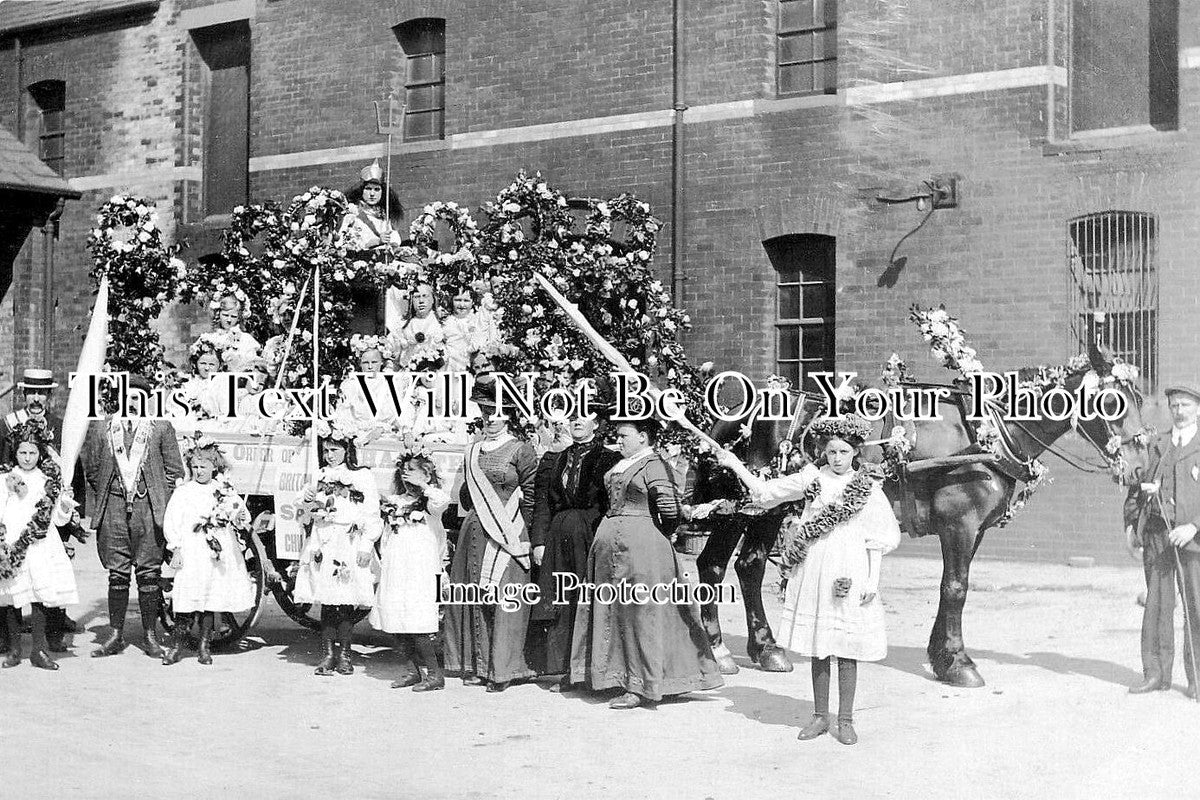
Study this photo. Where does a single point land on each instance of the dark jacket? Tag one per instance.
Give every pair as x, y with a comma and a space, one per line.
161, 468
553, 497
1178, 469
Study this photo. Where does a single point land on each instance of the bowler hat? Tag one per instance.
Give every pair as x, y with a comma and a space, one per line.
37, 379
1183, 388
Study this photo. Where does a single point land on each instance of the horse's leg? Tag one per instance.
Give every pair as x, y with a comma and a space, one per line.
711, 565
751, 566
947, 655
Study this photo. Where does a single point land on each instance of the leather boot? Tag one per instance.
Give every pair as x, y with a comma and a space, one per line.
845, 731
149, 602
410, 674
56, 630
204, 654
342, 663
38, 656
1152, 684
627, 700
41, 659
325, 666
11, 622
428, 649
819, 724
114, 644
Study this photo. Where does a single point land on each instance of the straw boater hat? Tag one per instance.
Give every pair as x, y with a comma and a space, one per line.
1184, 388
37, 379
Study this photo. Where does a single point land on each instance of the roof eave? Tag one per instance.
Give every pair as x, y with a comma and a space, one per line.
82, 15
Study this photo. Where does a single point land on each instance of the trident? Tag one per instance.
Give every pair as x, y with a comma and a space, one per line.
395, 109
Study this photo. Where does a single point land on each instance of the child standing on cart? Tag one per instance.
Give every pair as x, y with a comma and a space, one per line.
202, 528
413, 545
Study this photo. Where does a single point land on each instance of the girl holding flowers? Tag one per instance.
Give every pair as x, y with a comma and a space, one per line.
832, 558
34, 568
338, 565
203, 524
413, 545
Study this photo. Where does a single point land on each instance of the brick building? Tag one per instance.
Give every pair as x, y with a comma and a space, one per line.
761, 130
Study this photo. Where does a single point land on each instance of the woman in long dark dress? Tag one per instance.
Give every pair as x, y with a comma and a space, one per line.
648, 649
485, 642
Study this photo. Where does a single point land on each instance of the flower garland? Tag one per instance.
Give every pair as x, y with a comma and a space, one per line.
838, 511
252, 267
12, 556
459, 266
396, 513
143, 276
227, 512
946, 341
360, 344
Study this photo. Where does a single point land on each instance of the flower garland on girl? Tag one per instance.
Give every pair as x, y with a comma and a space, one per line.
12, 556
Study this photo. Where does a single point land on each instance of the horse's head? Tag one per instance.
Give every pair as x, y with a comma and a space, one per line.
1121, 438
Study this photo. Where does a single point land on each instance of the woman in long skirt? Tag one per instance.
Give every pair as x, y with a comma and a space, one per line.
649, 649
486, 642
832, 607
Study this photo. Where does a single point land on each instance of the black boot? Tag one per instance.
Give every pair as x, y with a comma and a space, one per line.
56, 629
149, 603
12, 628
410, 675
118, 605
428, 650
38, 655
183, 624
325, 667
345, 634
204, 655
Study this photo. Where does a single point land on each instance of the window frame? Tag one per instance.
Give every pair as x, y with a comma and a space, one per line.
792, 273
412, 35
50, 98
822, 27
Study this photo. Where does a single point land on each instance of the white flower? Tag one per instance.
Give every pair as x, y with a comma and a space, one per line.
511, 207
939, 329
939, 315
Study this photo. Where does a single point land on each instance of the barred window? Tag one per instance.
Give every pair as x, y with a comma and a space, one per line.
1114, 286
806, 55
805, 305
424, 44
50, 97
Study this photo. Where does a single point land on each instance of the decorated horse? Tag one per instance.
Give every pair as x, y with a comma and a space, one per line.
951, 477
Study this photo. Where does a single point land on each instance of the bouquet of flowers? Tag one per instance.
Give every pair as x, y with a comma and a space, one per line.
227, 512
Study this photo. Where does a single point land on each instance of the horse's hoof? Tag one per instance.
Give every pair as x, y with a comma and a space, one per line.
963, 678
725, 661
773, 659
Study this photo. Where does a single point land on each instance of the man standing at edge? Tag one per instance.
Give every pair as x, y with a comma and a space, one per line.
1163, 519
131, 467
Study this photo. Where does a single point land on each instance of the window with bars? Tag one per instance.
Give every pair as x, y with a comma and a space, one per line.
806, 55
805, 305
1114, 286
424, 44
50, 97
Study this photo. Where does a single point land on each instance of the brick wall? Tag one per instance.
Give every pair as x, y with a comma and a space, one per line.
136, 93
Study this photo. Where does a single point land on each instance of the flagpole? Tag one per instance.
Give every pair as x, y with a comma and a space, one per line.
313, 457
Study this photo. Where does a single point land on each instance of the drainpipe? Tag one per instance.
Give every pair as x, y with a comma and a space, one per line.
19, 89
678, 173
49, 237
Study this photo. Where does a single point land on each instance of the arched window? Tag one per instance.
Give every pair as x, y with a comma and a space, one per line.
50, 97
1114, 285
805, 305
424, 44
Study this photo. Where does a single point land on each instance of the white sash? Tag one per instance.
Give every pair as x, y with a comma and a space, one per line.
129, 463
501, 521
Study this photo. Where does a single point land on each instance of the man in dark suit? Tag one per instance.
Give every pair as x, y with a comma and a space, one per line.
570, 501
1163, 517
131, 467
36, 386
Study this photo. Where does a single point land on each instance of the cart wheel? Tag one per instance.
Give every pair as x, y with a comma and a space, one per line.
230, 628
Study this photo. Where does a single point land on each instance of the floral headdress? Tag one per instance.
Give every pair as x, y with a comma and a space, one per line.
411, 448
360, 344
197, 442
209, 342
850, 427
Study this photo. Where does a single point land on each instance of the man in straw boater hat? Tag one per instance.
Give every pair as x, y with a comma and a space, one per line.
36, 386
131, 466
1163, 517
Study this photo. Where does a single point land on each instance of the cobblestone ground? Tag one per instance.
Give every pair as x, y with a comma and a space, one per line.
1057, 646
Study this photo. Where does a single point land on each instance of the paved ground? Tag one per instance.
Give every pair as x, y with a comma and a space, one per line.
1057, 646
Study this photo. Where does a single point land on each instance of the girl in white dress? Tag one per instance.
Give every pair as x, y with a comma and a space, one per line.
412, 553
202, 526
373, 353
203, 395
420, 343
338, 565
834, 556
35, 570
238, 348
468, 330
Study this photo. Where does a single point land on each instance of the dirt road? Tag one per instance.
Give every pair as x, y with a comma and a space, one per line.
1058, 646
